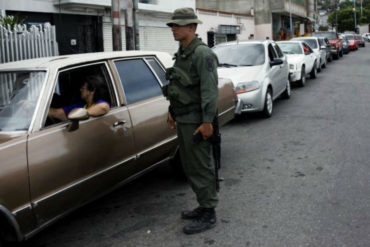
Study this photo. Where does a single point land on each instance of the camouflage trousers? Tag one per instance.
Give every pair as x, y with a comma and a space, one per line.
196, 161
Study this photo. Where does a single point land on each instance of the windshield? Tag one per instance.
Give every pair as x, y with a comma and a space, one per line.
240, 54
291, 48
19, 92
328, 35
350, 37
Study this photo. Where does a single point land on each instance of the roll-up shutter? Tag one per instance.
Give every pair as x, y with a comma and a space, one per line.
108, 37
157, 39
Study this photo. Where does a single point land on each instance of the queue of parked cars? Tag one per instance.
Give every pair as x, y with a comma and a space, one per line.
50, 167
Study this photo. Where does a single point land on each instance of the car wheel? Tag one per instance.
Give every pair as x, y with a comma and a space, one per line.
288, 92
302, 81
319, 67
313, 72
267, 109
330, 58
324, 65
336, 56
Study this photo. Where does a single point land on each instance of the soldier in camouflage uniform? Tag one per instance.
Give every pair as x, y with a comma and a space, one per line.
193, 94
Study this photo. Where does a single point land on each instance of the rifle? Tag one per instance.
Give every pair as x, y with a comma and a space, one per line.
216, 150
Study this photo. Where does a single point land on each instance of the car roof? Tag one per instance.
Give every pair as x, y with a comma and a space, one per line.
245, 42
67, 60
310, 37
291, 41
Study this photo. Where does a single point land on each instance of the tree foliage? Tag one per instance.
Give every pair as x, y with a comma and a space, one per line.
10, 20
346, 18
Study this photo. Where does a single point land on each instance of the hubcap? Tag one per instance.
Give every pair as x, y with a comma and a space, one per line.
303, 77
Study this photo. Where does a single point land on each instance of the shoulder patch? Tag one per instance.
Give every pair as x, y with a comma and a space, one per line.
210, 63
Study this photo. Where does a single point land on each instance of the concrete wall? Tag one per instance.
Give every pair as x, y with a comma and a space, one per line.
48, 6
211, 21
262, 31
235, 6
167, 6
262, 12
89, 7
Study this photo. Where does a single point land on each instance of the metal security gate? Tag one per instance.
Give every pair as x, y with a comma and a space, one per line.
157, 39
22, 43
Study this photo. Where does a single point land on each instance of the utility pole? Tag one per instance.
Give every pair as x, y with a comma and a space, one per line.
354, 11
136, 25
361, 8
129, 25
290, 18
116, 27
336, 15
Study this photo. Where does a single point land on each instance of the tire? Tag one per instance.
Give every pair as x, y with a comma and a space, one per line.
319, 68
288, 91
324, 65
313, 73
341, 53
336, 56
302, 81
330, 59
269, 105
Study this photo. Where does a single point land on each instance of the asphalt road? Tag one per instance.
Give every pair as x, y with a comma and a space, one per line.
300, 178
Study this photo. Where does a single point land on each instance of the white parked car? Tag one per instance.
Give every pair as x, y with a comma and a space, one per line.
314, 43
301, 59
259, 71
366, 36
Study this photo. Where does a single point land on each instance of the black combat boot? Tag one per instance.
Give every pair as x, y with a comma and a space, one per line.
191, 215
205, 221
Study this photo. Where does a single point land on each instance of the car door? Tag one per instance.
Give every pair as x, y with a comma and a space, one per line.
69, 168
322, 51
148, 108
283, 68
309, 58
273, 71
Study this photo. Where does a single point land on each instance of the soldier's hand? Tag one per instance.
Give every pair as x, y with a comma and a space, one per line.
171, 122
206, 129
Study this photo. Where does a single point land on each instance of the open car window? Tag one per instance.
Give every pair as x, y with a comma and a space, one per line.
67, 92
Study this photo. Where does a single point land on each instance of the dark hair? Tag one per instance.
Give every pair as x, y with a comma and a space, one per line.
96, 84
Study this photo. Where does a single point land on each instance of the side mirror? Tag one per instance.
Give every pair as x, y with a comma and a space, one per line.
75, 116
276, 61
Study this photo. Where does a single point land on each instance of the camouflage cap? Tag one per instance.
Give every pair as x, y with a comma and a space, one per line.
183, 17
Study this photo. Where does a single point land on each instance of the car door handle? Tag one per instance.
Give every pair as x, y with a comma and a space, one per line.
118, 123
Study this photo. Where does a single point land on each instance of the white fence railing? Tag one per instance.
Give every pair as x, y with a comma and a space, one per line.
22, 43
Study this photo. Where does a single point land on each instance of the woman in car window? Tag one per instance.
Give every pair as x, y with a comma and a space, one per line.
93, 102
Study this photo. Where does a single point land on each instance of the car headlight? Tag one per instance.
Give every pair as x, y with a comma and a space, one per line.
291, 66
249, 86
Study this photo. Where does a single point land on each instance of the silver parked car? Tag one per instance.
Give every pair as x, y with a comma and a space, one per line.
259, 71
